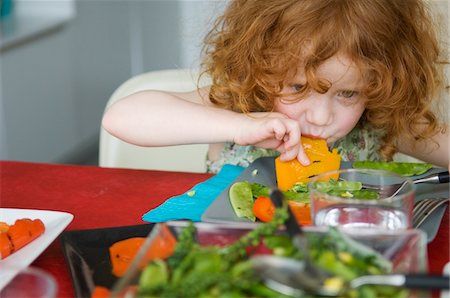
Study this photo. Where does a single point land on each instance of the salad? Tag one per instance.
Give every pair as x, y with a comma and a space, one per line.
251, 200
226, 271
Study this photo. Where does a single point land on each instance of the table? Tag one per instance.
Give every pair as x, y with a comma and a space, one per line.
106, 197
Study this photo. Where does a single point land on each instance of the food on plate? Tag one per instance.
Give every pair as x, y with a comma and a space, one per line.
241, 199
123, 252
251, 201
322, 160
100, 292
3, 226
14, 237
226, 271
402, 168
301, 211
346, 189
208, 271
263, 208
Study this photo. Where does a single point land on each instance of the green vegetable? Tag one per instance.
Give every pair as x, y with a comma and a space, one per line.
259, 190
346, 189
154, 275
184, 245
241, 199
195, 271
402, 168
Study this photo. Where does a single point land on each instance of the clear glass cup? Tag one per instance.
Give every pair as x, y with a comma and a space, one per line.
28, 282
387, 212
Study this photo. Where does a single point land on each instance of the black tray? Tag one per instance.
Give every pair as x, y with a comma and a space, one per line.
87, 255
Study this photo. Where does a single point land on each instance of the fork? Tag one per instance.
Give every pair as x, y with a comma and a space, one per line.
393, 189
425, 208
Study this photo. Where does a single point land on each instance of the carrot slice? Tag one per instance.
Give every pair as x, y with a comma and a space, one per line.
25, 230
301, 211
4, 226
263, 209
5, 245
123, 252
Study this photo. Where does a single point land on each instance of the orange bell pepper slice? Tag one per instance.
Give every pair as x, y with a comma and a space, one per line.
322, 160
123, 252
301, 211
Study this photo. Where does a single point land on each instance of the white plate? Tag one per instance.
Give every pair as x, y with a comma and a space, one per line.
55, 222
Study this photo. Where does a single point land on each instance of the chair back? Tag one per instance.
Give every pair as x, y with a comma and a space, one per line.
116, 153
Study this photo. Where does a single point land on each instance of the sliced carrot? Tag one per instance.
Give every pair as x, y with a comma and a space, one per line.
301, 211
4, 226
123, 252
25, 230
5, 245
37, 228
100, 292
263, 209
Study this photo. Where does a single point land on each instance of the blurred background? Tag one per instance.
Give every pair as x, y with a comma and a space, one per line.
61, 60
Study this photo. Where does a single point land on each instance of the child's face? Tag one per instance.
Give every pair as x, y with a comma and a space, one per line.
331, 115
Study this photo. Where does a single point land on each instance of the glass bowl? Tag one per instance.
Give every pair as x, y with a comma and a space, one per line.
406, 249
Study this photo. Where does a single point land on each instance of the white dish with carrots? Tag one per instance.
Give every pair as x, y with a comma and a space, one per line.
54, 223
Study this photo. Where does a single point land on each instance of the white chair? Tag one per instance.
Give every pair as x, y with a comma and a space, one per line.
185, 158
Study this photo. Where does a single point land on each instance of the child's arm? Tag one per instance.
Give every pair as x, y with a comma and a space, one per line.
428, 150
154, 118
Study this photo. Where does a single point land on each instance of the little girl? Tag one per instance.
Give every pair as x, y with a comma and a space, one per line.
361, 74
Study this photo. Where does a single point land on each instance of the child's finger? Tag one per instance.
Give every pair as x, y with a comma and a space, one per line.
302, 157
289, 154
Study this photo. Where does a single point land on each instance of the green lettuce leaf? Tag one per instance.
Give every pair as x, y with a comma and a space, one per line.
402, 168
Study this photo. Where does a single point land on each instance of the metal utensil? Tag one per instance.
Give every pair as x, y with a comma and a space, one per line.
285, 276
312, 277
393, 189
423, 209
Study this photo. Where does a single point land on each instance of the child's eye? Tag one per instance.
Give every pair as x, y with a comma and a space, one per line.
297, 87
347, 93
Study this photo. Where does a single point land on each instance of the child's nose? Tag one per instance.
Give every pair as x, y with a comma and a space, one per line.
320, 111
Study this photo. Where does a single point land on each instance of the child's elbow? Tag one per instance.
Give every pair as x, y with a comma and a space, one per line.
109, 121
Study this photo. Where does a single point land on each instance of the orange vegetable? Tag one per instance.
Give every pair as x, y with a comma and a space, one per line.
100, 292
25, 230
16, 236
290, 172
5, 245
263, 209
122, 252
4, 226
301, 211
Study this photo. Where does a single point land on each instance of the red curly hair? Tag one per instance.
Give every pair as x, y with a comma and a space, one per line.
257, 44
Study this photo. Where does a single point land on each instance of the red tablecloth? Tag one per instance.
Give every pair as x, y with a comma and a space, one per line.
105, 197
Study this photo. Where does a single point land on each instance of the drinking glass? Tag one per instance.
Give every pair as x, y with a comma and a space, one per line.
28, 282
390, 211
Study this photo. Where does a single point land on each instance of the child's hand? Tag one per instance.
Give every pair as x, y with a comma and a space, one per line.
272, 131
